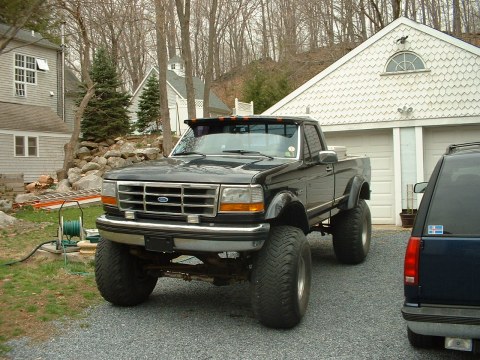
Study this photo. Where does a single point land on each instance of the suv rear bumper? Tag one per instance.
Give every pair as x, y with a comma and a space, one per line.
185, 237
443, 321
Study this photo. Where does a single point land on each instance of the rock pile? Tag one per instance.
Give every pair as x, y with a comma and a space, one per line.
93, 159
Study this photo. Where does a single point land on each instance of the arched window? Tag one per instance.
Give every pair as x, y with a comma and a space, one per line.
404, 61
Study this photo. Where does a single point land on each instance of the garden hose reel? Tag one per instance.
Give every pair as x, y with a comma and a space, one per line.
68, 229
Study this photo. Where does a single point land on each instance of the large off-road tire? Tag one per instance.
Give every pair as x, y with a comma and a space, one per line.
281, 277
120, 277
352, 232
423, 341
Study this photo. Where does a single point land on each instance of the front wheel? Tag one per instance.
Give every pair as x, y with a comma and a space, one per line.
352, 232
120, 276
281, 278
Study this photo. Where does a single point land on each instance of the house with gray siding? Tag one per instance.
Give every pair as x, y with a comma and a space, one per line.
177, 96
32, 131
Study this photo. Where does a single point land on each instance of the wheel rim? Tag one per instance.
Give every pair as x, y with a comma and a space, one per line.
364, 233
301, 278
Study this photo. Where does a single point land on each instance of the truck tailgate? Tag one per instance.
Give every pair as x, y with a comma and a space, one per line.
450, 269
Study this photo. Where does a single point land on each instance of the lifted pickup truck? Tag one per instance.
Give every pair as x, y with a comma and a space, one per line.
239, 194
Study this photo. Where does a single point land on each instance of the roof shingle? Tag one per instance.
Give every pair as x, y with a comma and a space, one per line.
30, 118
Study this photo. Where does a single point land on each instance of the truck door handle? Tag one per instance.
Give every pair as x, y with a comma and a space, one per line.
329, 168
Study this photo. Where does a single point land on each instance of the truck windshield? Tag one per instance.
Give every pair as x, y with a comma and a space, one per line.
253, 139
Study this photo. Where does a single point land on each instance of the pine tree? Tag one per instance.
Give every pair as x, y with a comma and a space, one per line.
106, 115
265, 87
149, 106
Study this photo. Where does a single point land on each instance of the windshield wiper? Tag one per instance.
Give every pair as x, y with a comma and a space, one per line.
189, 153
247, 152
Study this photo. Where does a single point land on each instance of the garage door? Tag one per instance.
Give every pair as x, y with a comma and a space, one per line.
378, 145
436, 140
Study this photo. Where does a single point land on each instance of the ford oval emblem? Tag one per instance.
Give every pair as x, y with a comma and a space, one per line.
162, 199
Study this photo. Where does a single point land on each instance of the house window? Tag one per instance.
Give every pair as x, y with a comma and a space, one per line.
26, 146
404, 62
25, 73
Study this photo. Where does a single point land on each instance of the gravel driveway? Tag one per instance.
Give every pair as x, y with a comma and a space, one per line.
354, 313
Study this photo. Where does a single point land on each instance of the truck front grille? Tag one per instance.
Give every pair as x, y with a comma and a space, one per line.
168, 198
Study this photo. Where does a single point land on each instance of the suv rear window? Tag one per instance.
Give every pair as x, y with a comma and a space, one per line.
455, 204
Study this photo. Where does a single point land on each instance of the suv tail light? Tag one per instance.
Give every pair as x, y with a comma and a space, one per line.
410, 270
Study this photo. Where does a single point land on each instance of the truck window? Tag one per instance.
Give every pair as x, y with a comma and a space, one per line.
313, 143
454, 204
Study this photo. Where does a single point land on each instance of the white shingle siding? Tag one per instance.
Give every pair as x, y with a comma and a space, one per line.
354, 97
358, 91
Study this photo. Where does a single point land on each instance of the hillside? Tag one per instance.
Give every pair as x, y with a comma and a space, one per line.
299, 69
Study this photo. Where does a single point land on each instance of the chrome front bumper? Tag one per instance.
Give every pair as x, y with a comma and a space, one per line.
185, 237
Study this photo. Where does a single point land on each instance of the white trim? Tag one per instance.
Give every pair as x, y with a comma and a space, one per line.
32, 133
397, 175
26, 146
400, 21
144, 81
466, 120
420, 152
42, 64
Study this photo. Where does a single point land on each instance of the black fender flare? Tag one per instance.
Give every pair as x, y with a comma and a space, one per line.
281, 202
357, 188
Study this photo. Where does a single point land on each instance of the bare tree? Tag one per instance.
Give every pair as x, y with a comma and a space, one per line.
183, 13
162, 74
73, 9
20, 21
209, 69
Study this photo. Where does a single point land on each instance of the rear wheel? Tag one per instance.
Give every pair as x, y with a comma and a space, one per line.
120, 276
281, 278
352, 231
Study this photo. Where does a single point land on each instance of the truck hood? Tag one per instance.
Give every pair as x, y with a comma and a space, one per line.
209, 169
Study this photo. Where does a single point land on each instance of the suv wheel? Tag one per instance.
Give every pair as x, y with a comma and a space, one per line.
352, 231
120, 277
281, 278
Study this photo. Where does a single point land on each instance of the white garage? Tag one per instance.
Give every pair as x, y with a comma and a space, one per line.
436, 140
377, 145
400, 97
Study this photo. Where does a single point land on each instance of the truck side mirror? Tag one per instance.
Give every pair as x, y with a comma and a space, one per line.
327, 157
419, 188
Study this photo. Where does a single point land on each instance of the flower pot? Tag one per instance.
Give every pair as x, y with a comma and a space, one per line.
408, 218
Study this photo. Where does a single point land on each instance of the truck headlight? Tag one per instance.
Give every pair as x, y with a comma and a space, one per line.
241, 199
109, 193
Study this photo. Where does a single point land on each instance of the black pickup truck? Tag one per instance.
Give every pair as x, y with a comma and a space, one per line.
238, 195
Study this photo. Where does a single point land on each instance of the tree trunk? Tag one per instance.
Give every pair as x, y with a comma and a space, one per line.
71, 146
184, 19
457, 19
162, 74
209, 70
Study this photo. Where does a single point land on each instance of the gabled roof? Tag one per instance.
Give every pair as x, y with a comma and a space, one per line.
175, 60
20, 117
72, 84
28, 37
177, 83
366, 44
